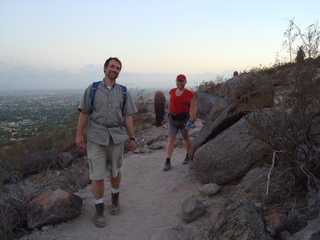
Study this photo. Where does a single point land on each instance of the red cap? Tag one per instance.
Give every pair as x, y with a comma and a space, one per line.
181, 77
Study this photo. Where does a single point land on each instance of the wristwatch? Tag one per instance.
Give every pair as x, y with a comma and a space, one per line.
134, 139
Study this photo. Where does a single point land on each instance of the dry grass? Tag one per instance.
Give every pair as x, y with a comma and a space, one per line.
288, 131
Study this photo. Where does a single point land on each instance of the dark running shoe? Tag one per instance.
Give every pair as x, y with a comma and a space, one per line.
167, 166
186, 160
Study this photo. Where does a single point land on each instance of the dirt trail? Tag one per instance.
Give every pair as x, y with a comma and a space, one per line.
150, 201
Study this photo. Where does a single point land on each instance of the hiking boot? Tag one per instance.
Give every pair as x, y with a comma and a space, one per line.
186, 160
167, 166
114, 208
99, 218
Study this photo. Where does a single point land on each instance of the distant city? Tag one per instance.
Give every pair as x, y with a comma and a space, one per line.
26, 113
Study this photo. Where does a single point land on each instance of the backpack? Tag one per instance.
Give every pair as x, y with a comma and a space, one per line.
94, 88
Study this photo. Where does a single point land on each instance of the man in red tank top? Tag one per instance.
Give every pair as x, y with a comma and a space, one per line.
181, 114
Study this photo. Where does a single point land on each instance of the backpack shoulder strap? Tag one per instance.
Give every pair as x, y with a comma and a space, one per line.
94, 88
124, 91
93, 91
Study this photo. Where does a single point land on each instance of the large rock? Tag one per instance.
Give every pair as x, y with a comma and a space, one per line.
53, 207
314, 205
220, 118
239, 220
205, 101
228, 156
209, 190
310, 232
64, 159
265, 185
191, 209
4, 175
237, 96
248, 90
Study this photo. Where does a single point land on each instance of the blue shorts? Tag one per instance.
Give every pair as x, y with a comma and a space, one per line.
172, 130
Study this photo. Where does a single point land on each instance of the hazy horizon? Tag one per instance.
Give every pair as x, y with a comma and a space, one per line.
64, 44
131, 80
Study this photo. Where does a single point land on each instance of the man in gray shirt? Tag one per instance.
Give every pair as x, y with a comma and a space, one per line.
109, 122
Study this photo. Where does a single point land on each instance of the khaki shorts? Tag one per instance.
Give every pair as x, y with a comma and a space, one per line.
104, 160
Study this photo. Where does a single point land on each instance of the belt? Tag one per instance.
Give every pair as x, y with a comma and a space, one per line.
106, 125
179, 114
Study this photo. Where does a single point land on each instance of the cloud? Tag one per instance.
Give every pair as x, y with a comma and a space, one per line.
167, 80
92, 69
28, 78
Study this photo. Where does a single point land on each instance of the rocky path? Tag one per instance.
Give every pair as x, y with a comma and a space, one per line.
150, 200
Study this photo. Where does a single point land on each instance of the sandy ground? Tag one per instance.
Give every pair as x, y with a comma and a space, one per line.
150, 201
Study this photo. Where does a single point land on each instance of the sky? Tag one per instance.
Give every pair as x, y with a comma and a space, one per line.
63, 44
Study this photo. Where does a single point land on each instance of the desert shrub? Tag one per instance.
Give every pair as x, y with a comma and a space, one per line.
211, 86
143, 118
13, 157
38, 152
289, 131
13, 219
141, 99
142, 121
206, 86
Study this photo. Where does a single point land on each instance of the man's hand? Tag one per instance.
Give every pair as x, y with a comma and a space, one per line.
189, 125
82, 121
80, 142
132, 145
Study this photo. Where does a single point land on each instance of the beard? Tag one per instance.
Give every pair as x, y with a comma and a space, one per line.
112, 75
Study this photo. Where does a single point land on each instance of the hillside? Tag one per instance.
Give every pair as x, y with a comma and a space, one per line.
151, 200
258, 140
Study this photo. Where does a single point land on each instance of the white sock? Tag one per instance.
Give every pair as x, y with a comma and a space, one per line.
115, 190
97, 201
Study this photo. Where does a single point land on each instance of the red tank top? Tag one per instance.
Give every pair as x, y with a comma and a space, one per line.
180, 104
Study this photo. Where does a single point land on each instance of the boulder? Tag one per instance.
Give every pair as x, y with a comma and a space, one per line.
156, 146
209, 189
205, 101
264, 185
314, 205
248, 90
192, 209
239, 220
275, 222
221, 117
310, 232
4, 175
213, 164
237, 96
53, 207
64, 159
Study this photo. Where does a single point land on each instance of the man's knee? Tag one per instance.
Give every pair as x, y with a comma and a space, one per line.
186, 138
171, 138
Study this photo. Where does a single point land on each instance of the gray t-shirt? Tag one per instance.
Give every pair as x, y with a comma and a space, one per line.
107, 110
